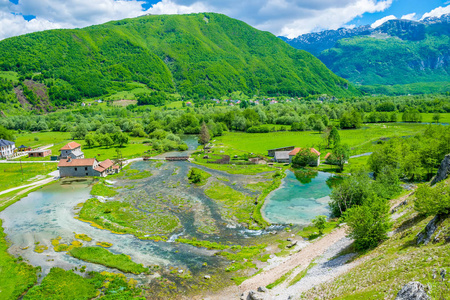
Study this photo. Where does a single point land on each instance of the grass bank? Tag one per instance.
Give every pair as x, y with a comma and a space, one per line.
102, 256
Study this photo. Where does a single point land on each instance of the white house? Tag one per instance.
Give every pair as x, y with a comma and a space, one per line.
7, 148
72, 150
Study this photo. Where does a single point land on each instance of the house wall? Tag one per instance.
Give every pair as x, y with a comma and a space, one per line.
40, 153
6, 151
271, 152
75, 153
77, 171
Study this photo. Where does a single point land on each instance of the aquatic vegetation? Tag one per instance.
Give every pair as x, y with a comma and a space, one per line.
104, 244
61, 284
83, 237
198, 176
40, 248
132, 174
235, 205
100, 189
123, 217
202, 244
59, 247
104, 257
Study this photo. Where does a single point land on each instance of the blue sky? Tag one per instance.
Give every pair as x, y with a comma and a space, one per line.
281, 17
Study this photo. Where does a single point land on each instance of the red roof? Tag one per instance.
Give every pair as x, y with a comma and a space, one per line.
70, 146
327, 155
104, 165
81, 162
297, 150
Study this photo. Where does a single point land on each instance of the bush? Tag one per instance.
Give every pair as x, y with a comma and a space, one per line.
319, 222
304, 158
433, 200
368, 223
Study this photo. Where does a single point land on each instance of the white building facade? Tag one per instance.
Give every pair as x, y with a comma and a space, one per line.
7, 148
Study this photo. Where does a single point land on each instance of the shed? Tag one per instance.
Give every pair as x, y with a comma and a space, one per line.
271, 152
40, 153
282, 156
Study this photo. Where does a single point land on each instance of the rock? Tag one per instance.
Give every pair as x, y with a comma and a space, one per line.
292, 244
412, 291
289, 240
207, 277
443, 273
425, 235
444, 170
262, 289
252, 295
180, 271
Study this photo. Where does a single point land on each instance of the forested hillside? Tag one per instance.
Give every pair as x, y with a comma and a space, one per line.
196, 56
396, 52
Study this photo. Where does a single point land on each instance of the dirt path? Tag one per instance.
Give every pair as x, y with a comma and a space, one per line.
302, 258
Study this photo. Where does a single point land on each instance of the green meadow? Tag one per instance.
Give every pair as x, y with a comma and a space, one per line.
12, 176
361, 140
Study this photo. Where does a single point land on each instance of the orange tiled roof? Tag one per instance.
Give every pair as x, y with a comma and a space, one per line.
70, 146
297, 150
81, 162
104, 165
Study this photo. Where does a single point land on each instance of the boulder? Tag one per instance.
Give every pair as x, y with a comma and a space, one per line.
262, 289
292, 244
412, 291
207, 277
252, 295
444, 170
425, 235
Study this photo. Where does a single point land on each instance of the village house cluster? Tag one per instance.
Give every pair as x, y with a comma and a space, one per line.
286, 154
73, 164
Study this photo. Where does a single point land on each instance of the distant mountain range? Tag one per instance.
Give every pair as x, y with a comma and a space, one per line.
196, 56
396, 52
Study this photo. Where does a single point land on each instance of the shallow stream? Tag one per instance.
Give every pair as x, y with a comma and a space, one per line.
49, 213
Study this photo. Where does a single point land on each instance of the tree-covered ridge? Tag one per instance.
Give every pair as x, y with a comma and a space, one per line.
381, 60
197, 55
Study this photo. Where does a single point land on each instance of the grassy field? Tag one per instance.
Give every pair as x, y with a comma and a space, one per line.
134, 148
359, 139
99, 255
428, 118
11, 174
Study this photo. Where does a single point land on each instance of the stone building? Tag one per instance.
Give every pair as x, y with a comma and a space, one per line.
82, 167
72, 150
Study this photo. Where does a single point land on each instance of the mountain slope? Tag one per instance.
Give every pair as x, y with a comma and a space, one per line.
397, 52
197, 55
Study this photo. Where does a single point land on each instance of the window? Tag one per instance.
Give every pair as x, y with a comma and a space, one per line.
87, 174
85, 168
75, 169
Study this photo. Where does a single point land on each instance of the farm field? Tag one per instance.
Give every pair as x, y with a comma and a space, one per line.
11, 174
359, 139
134, 148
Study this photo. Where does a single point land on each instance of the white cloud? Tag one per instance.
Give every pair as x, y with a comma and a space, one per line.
437, 12
281, 17
411, 16
382, 20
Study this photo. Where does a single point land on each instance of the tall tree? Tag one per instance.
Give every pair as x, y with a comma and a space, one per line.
204, 135
334, 138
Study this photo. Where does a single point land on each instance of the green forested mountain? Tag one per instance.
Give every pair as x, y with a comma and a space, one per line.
396, 52
197, 55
